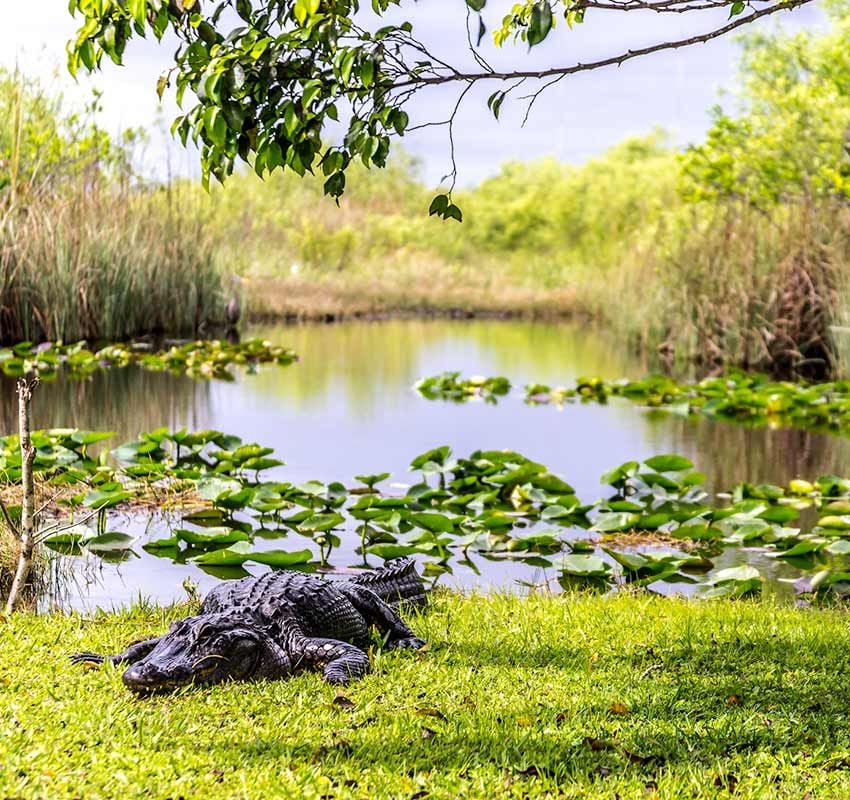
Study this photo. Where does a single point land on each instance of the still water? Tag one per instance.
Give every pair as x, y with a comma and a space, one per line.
348, 408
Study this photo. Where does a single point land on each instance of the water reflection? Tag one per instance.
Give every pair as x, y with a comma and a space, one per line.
729, 453
122, 400
348, 408
363, 360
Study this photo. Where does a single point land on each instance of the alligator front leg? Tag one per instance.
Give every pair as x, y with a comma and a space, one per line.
340, 662
376, 612
135, 652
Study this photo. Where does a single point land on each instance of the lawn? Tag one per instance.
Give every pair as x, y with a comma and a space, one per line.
547, 696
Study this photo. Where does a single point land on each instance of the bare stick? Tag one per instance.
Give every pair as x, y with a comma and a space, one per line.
25, 391
59, 527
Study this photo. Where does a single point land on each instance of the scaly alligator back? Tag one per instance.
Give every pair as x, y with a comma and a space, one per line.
396, 582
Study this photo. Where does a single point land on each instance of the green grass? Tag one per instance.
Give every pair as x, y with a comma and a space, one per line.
513, 698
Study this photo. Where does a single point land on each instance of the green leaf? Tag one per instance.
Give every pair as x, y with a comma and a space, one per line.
210, 488
400, 121
91, 437
389, 551
367, 72
210, 536
168, 543
584, 565
540, 23
436, 457
74, 535
138, 9
279, 559
335, 185
233, 556
453, 212
439, 205
735, 574
371, 480
109, 541
779, 514
320, 523
840, 547
106, 499
494, 102
668, 463
437, 523
300, 10
611, 523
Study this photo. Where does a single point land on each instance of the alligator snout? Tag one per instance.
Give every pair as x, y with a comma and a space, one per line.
145, 677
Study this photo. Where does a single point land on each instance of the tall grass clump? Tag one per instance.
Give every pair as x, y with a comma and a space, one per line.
107, 263
86, 250
731, 284
38, 578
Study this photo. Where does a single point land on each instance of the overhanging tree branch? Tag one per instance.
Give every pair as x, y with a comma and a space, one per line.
617, 60
266, 91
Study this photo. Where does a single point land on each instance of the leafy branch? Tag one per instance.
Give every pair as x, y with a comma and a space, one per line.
267, 90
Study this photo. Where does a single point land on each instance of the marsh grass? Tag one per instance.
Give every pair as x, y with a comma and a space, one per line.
9, 549
732, 285
628, 697
407, 292
106, 262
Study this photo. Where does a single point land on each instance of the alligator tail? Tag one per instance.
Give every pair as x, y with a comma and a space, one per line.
395, 583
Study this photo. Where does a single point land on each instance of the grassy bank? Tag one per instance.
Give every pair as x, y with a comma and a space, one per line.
628, 697
324, 299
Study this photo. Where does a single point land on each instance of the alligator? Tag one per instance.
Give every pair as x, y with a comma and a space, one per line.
276, 625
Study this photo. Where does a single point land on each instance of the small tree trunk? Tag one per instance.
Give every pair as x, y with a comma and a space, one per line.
25, 390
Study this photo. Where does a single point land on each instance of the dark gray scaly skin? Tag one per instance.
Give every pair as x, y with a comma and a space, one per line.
274, 626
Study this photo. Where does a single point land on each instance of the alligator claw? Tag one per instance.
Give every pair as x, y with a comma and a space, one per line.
337, 677
87, 658
410, 643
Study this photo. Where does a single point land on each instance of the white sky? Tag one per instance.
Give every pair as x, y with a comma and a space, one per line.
578, 118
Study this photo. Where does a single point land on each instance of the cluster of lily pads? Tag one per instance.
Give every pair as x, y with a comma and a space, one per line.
197, 359
738, 396
450, 386
654, 523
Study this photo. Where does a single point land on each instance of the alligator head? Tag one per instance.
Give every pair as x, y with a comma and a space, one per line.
211, 648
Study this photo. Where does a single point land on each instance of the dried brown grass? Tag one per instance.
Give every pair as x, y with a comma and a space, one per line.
743, 287
306, 299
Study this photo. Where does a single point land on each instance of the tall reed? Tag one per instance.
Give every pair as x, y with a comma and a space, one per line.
732, 285
106, 262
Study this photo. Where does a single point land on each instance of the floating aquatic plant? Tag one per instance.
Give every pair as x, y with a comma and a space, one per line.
738, 397
197, 359
450, 386
492, 504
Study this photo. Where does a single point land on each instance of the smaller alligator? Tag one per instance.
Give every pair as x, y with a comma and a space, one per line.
273, 626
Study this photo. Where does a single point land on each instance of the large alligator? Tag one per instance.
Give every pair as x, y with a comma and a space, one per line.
275, 625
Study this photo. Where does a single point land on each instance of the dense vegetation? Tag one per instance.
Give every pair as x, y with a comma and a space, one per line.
733, 251
86, 252
623, 696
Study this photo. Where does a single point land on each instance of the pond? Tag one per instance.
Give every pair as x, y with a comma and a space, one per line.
348, 408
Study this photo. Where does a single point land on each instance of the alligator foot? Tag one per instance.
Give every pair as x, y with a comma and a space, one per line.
89, 658
133, 653
409, 642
